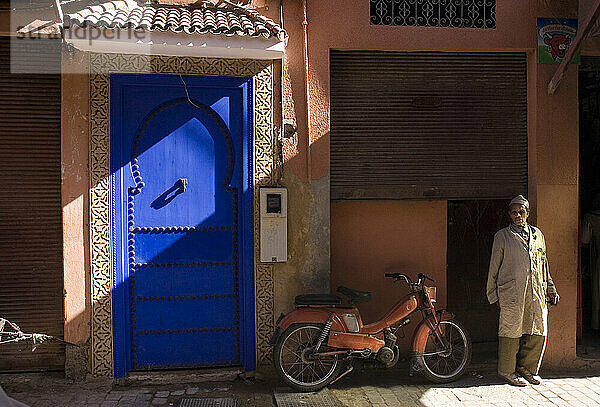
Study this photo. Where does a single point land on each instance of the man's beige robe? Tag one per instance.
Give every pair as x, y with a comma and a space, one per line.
520, 280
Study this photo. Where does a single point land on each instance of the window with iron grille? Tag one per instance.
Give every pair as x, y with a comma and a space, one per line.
434, 13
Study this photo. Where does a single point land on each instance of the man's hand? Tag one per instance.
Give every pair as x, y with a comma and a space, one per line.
553, 299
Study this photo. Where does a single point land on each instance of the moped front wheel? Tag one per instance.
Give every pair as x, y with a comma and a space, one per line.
446, 362
295, 363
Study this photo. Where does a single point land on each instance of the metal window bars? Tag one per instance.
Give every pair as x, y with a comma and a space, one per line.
434, 13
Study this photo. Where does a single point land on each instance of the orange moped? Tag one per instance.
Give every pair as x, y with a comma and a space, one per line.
318, 342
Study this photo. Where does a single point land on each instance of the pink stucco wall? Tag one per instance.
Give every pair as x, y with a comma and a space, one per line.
329, 28
552, 127
557, 158
75, 196
553, 152
369, 239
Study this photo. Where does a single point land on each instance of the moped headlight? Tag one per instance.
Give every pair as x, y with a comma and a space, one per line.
431, 293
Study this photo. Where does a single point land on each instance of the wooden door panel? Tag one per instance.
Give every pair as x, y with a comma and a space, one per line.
471, 229
180, 180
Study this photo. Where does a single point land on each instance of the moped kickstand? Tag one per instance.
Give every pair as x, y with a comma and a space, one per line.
415, 367
350, 368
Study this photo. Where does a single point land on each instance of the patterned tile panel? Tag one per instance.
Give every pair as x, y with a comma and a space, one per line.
101, 65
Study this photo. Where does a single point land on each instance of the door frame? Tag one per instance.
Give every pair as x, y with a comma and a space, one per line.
118, 220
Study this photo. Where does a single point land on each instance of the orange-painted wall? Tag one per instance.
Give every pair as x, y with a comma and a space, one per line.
75, 197
557, 172
350, 30
365, 236
369, 239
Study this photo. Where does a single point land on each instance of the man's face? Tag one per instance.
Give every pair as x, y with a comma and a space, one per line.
518, 214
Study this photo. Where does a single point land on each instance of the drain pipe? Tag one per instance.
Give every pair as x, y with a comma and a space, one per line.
281, 89
306, 89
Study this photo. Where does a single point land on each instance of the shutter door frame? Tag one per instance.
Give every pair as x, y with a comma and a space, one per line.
428, 125
31, 259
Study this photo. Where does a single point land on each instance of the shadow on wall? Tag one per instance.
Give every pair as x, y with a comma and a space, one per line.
184, 301
184, 256
295, 161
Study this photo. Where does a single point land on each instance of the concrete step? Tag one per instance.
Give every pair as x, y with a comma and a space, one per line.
156, 378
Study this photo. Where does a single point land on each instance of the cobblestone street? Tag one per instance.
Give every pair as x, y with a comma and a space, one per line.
481, 389
362, 388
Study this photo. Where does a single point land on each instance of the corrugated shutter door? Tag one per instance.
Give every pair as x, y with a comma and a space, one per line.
426, 125
31, 272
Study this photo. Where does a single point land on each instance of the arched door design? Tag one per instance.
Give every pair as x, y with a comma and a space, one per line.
179, 184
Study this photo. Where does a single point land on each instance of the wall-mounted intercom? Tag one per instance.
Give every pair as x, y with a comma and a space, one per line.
273, 225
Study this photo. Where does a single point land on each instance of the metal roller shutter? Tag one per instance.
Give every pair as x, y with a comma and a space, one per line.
428, 125
31, 272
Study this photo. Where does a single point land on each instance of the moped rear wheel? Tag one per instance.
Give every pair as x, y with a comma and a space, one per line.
443, 363
295, 363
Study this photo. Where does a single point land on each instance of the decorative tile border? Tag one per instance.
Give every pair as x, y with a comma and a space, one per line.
265, 174
101, 65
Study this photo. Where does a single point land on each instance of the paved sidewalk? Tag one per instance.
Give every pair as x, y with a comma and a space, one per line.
475, 389
362, 388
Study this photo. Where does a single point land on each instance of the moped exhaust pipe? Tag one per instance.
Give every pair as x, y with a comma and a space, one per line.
363, 353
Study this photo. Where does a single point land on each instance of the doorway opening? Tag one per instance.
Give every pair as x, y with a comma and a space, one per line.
182, 223
471, 228
588, 315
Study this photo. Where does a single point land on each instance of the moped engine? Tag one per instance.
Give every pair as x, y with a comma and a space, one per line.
390, 353
386, 356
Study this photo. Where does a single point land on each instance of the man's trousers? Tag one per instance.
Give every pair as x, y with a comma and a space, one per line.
526, 351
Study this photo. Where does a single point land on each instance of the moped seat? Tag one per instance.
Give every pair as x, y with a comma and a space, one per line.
355, 295
317, 299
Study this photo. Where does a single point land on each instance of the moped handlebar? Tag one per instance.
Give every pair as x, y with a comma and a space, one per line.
399, 276
422, 277
425, 277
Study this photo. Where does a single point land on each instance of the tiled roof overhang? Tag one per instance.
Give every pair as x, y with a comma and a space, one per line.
219, 21
231, 27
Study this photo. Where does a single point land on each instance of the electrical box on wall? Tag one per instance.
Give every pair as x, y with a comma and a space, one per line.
273, 225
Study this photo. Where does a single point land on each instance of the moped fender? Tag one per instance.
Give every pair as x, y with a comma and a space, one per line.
312, 315
423, 329
277, 332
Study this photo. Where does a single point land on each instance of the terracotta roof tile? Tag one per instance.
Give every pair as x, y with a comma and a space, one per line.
127, 14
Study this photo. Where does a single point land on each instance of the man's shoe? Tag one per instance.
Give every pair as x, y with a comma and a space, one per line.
527, 375
512, 379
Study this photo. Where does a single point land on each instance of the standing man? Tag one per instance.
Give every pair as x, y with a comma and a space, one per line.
519, 281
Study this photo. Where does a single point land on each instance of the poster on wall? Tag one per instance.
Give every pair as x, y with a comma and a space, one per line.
555, 35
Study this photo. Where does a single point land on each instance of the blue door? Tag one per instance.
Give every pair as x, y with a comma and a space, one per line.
181, 170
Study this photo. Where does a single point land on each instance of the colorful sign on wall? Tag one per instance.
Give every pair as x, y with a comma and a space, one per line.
555, 35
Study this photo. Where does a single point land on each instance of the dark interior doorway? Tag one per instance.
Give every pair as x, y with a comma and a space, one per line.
588, 339
471, 229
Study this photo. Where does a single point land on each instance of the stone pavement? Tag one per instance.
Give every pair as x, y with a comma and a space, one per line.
478, 388
362, 388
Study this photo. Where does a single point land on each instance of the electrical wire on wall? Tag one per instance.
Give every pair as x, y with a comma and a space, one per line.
185, 88
279, 135
278, 130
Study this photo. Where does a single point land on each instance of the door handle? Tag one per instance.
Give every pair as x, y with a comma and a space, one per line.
183, 182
